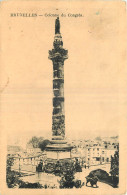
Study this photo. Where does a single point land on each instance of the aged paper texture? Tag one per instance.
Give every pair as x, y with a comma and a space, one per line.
63, 104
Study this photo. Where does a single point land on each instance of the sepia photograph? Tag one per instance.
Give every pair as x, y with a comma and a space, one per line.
63, 97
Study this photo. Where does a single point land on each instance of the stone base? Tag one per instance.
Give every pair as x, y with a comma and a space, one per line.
58, 154
58, 166
58, 149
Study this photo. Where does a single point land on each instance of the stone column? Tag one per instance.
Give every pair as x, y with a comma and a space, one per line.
58, 54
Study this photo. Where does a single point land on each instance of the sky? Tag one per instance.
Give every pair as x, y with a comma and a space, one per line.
94, 73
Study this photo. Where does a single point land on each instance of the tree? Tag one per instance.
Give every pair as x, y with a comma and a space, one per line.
114, 171
115, 164
35, 141
39, 142
10, 162
67, 180
43, 144
11, 176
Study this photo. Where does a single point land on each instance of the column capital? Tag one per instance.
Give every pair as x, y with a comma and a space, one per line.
58, 54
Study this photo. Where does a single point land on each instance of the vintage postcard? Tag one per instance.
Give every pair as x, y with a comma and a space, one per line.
63, 104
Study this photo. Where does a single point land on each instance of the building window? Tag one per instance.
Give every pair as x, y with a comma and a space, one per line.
97, 159
97, 148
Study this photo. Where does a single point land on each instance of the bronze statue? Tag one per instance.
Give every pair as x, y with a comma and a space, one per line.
57, 26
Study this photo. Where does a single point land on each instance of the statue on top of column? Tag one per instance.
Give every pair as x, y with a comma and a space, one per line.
57, 26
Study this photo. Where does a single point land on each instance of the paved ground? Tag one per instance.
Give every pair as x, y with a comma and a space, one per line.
49, 179
42, 178
101, 186
85, 172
